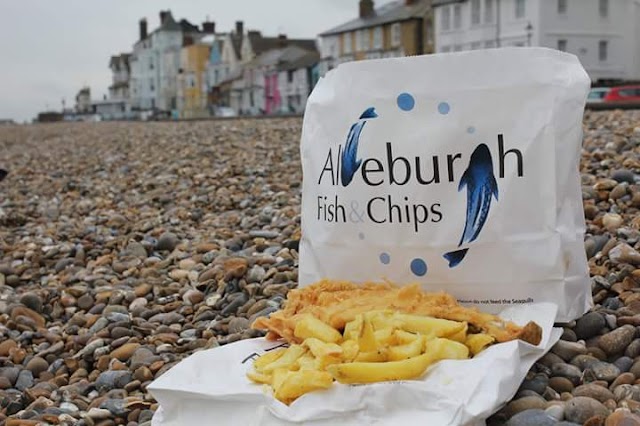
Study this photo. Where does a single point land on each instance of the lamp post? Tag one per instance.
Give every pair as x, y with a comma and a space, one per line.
529, 29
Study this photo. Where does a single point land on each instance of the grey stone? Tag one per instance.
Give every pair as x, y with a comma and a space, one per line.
589, 325
581, 408
112, 379
32, 301
532, 417
167, 241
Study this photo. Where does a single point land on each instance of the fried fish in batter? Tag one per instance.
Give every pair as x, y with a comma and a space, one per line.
338, 302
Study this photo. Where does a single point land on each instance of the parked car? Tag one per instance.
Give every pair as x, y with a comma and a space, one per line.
629, 94
597, 94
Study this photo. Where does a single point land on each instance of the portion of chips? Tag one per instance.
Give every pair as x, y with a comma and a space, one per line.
375, 346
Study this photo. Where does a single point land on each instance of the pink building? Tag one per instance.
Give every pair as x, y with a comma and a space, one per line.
272, 94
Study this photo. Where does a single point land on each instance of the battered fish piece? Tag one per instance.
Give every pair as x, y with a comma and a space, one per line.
338, 302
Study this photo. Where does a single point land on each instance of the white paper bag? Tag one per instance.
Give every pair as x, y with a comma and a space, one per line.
210, 388
458, 171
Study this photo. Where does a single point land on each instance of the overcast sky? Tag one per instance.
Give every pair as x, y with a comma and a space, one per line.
51, 48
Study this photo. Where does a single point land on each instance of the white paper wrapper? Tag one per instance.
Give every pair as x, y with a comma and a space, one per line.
210, 387
374, 134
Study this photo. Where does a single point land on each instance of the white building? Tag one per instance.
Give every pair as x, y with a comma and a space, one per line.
604, 34
295, 82
155, 61
118, 106
83, 101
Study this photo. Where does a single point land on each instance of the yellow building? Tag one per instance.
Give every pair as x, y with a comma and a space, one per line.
192, 92
399, 28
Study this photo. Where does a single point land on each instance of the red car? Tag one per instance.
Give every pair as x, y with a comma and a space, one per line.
623, 94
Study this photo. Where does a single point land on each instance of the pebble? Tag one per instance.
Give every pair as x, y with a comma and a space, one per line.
112, 379
32, 301
623, 417
568, 371
561, 384
616, 341
589, 325
582, 408
37, 365
624, 253
605, 371
568, 350
594, 391
526, 403
167, 241
532, 417
623, 175
238, 325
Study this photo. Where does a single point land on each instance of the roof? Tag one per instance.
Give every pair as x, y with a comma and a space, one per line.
236, 43
308, 60
260, 44
437, 3
389, 13
118, 59
170, 24
119, 85
275, 57
233, 76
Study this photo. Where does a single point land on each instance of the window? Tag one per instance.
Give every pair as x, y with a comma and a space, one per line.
347, 43
603, 48
457, 16
151, 64
428, 28
476, 45
520, 8
489, 44
457, 48
475, 12
395, 34
360, 41
562, 7
562, 45
488, 11
604, 8
446, 18
446, 49
366, 39
290, 76
377, 38
152, 87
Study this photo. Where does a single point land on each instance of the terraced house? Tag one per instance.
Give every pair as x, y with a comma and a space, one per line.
399, 28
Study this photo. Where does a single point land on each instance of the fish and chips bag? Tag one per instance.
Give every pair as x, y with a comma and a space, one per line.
457, 171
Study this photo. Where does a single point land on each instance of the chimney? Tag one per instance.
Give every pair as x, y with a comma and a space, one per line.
209, 27
143, 28
366, 8
163, 16
282, 40
239, 27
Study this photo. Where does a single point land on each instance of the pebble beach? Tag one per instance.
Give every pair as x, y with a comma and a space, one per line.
127, 247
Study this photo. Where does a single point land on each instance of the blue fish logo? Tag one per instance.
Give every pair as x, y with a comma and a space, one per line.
481, 187
455, 257
350, 161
